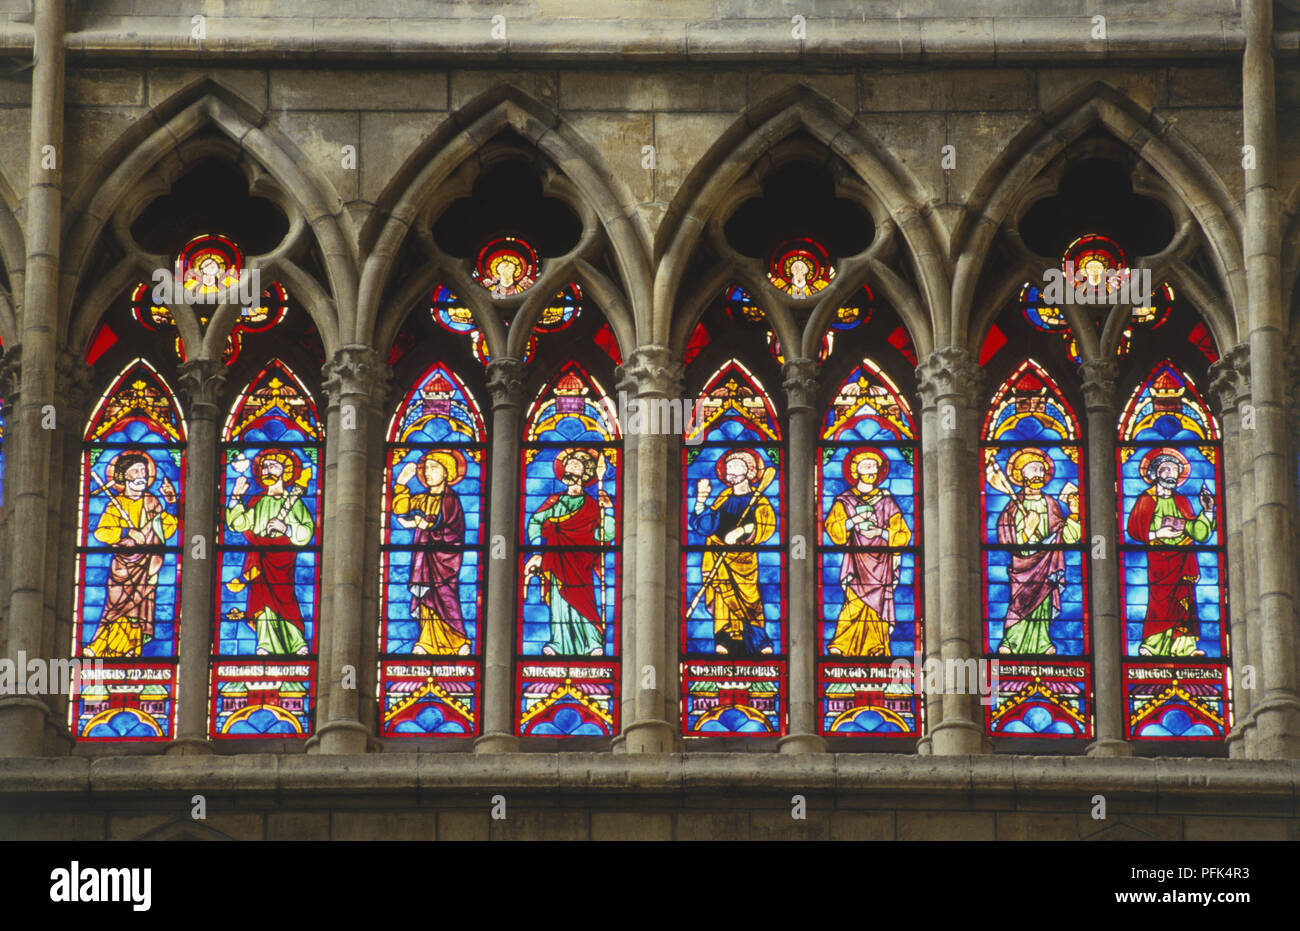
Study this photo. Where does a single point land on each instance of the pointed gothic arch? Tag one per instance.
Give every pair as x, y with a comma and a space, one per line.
895, 200
1155, 142
157, 150
435, 170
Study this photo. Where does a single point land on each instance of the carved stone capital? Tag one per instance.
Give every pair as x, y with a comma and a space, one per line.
656, 372
1229, 386
200, 383
71, 382
1099, 384
505, 378
800, 384
356, 371
949, 373
11, 377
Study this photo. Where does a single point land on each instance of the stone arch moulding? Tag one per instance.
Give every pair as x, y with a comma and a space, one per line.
1156, 142
167, 135
13, 258
583, 178
898, 202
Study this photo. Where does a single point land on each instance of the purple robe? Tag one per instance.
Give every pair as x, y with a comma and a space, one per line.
873, 575
436, 568
1032, 570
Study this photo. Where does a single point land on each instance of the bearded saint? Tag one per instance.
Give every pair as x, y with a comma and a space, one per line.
866, 515
1163, 517
571, 524
1033, 520
438, 520
133, 519
274, 517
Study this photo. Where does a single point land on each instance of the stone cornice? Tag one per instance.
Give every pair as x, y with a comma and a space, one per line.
605, 37
1169, 784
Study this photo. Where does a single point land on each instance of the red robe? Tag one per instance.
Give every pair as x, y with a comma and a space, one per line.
1172, 575
272, 586
575, 568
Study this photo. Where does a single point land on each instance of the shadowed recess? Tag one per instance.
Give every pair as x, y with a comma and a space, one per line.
799, 201
1097, 196
507, 201
212, 197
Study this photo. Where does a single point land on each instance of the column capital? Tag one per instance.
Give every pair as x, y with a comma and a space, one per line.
355, 370
656, 371
1099, 378
800, 384
1230, 379
505, 378
200, 383
11, 376
71, 379
951, 372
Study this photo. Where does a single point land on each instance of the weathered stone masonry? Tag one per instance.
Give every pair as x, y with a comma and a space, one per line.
126, 96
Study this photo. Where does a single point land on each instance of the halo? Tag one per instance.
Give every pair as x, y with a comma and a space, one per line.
849, 465
1022, 458
292, 464
809, 252
566, 454
150, 465
1184, 467
491, 256
755, 462
451, 460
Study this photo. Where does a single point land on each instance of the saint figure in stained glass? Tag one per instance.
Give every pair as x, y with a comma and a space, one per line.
739, 515
1164, 517
437, 522
134, 517
866, 515
1031, 518
273, 517
571, 523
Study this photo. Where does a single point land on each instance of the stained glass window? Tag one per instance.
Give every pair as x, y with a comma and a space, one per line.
210, 268
800, 268
128, 562
268, 580
868, 573
568, 619
1173, 588
1035, 588
733, 609
431, 598
1095, 271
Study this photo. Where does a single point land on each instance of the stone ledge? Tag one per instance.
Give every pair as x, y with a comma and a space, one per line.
936, 39
1171, 781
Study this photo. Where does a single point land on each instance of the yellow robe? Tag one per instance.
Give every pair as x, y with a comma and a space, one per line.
133, 576
733, 595
859, 629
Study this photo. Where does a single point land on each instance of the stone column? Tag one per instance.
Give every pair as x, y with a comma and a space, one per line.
353, 377
950, 384
200, 383
22, 718
1277, 711
626, 386
1103, 577
1230, 388
71, 387
801, 535
657, 375
505, 381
